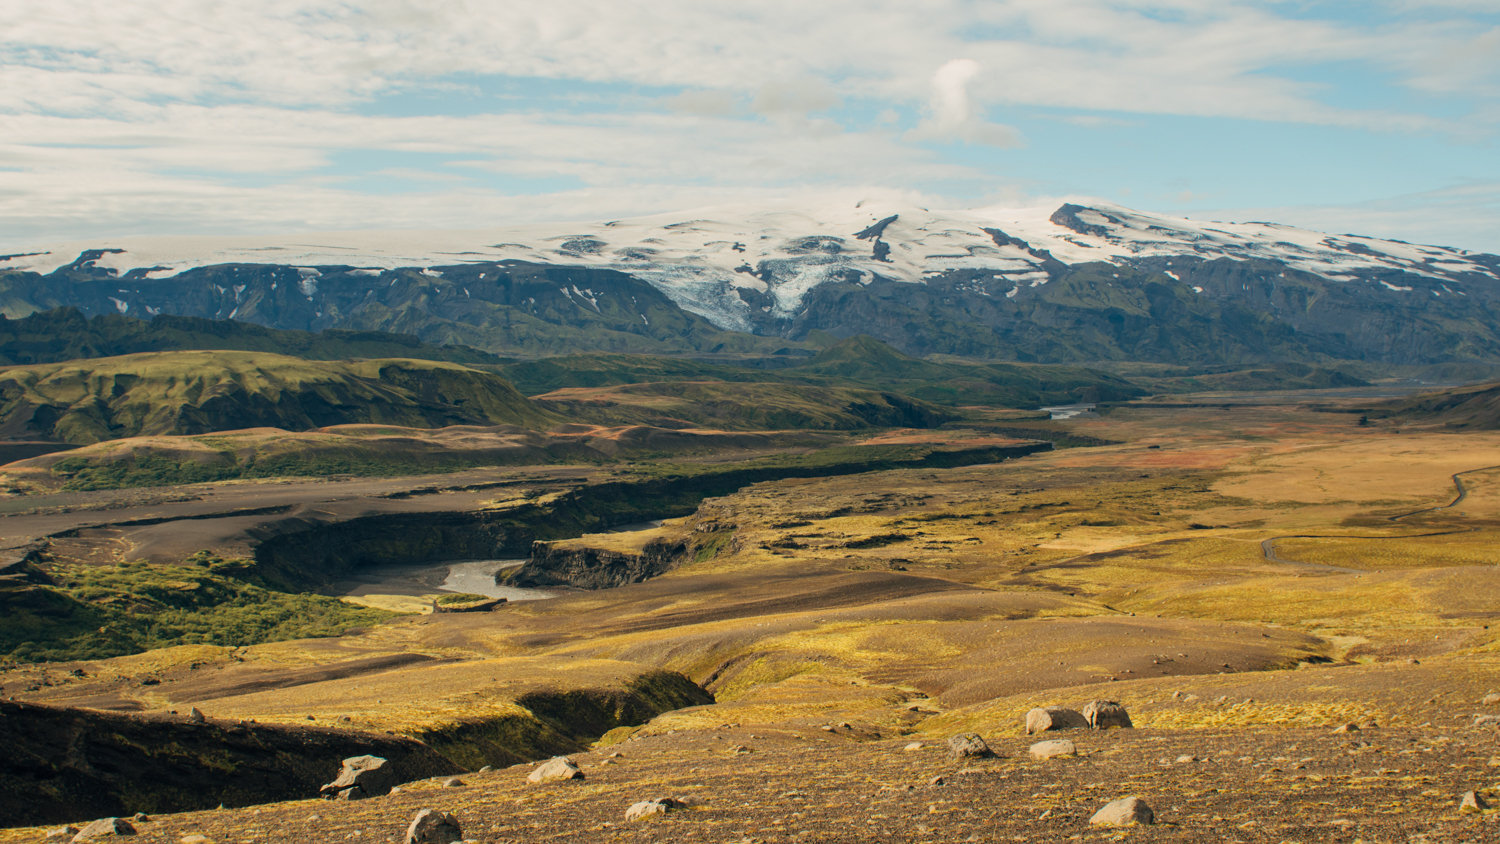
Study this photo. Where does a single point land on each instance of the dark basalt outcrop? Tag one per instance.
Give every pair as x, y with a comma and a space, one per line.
67, 764
598, 568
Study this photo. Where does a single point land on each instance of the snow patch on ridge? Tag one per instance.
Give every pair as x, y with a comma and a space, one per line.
701, 259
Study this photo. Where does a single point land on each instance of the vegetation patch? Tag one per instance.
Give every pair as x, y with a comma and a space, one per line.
90, 612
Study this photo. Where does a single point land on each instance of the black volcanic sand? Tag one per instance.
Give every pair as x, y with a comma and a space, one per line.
1247, 785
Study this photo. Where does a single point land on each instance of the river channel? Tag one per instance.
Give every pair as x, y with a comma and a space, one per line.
475, 577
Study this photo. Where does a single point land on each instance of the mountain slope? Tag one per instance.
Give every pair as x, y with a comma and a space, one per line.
1075, 283
66, 334
742, 406
199, 392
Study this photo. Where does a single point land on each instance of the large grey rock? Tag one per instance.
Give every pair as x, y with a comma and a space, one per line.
556, 768
433, 827
1045, 718
1103, 714
1127, 811
361, 777
104, 828
655, 806
1053, 749
968, 746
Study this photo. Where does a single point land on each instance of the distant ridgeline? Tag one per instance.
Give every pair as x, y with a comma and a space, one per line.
1083, 284
64, 334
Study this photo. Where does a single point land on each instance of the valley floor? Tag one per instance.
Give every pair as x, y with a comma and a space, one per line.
1243, 579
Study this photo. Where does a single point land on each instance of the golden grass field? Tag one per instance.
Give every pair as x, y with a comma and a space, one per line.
915, 604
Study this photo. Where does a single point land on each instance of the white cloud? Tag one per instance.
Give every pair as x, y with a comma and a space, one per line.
105, 105
952, 115
1461, 216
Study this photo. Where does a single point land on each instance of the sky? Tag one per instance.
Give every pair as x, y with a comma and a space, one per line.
169, 117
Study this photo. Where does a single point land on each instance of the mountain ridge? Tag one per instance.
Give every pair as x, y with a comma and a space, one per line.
1076, 283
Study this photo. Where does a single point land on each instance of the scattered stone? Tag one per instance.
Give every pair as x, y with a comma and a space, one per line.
1487, 721
916, 745
1472, 803
1491, 699
1185, 759
194, 838
1128, 811
485, 770
453, 782
195, 716
1053, 749
61, 832
616, 755
937, 780
361, 777
556, 768
1045, 718
657, 806
1103, 714
1347, 728
103, 828
432, 827
141, 817
968, 746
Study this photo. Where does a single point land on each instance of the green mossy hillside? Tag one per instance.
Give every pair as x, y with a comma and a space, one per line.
748, 406
95, 612
854, 363
63, 334
198, 392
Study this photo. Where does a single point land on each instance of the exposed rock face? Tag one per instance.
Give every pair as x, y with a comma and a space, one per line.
1044, 718
1103, 714
362, 776
968, 746
655, 806
1053, 749
1128, 811
559, 564
62, 763
433, 827
556, 768
105, 828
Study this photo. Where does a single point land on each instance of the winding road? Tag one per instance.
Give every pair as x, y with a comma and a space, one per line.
1268, 546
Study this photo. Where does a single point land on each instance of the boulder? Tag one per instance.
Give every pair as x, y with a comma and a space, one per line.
1347, 728
556, 768
656, 806
104, 828
1487, 721
433, 827
453, 782
1472, 803
1128, 811
968, 746
362, 776
1491, 699
1103, 714
195, 716
1054, 748
1045, 718
61, 832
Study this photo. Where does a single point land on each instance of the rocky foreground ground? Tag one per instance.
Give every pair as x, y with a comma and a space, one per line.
1246, 785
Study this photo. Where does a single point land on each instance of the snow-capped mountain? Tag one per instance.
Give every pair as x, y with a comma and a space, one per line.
785, 271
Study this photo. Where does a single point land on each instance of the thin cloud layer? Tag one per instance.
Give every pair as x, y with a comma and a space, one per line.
288, 114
